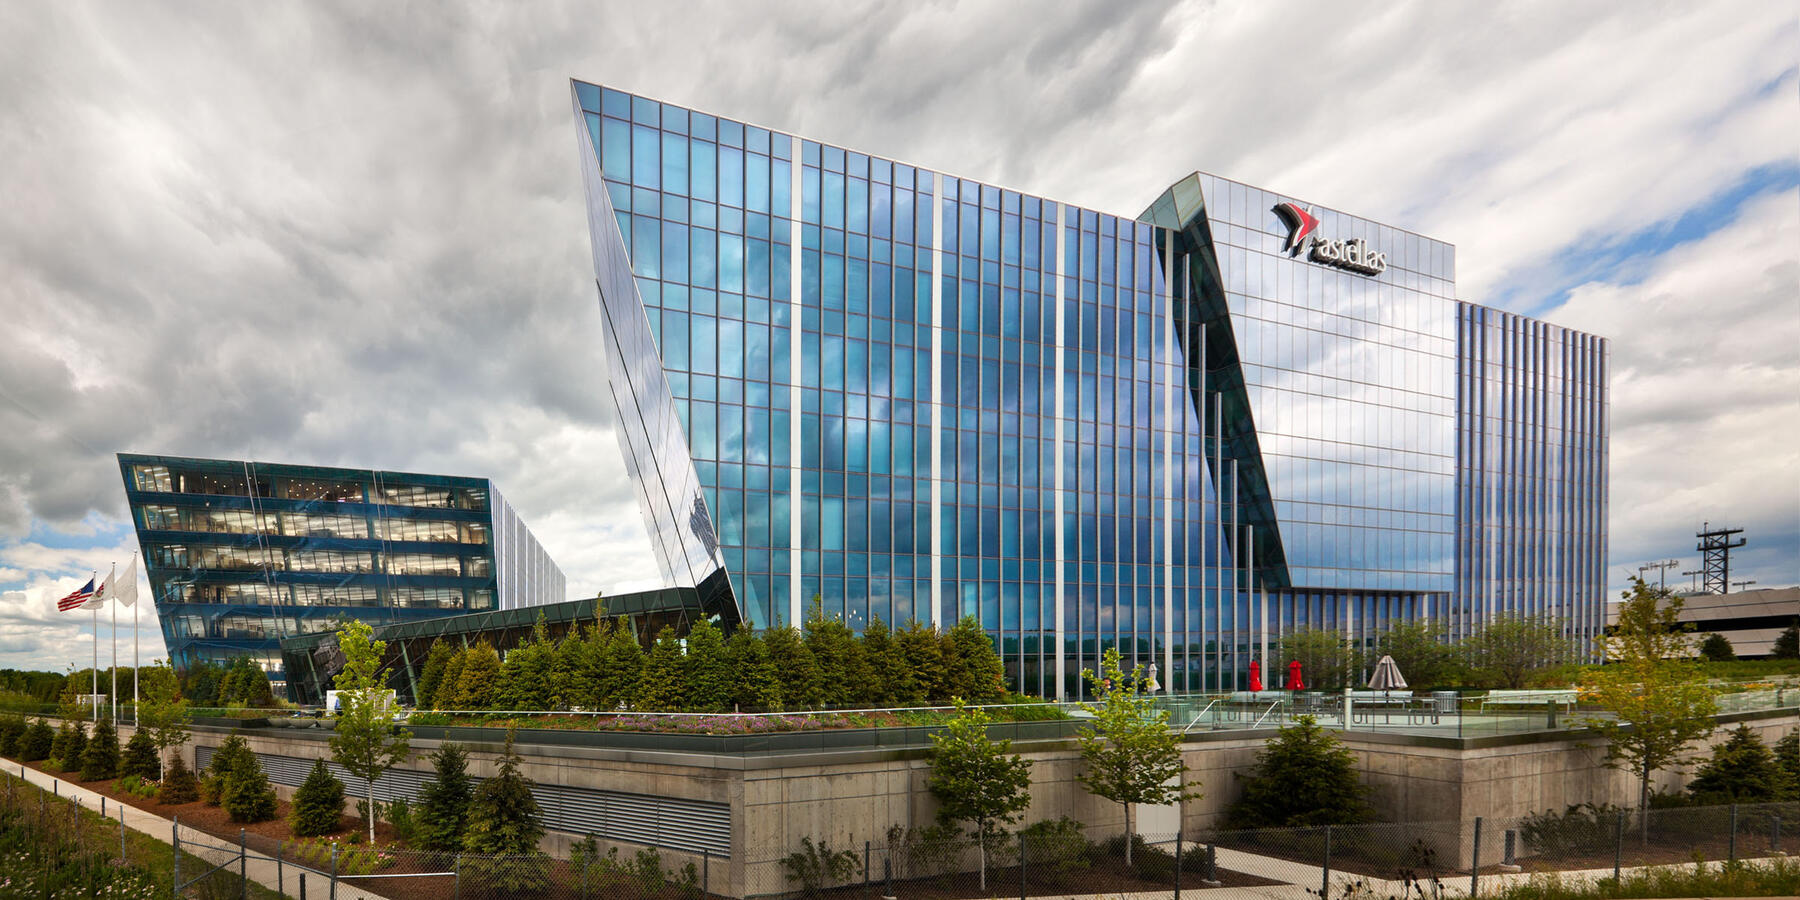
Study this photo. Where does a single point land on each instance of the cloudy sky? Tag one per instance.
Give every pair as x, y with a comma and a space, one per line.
300, 233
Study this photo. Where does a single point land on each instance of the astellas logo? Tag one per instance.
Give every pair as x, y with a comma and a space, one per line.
1354, 254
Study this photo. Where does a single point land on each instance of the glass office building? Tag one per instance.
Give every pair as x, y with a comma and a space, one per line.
1182, 434
243, 554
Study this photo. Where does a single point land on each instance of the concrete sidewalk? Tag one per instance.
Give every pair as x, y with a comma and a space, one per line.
205, 846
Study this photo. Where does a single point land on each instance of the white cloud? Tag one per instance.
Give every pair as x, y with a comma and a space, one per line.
354, 237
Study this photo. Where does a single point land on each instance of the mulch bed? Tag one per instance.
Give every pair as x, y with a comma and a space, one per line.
1108, 876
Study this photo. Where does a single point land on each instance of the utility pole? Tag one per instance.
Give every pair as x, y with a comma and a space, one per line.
1662, 577
1693, 583
1742, 584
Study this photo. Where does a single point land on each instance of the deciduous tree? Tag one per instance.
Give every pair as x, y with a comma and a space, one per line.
1328, 661
1131, 754
977, 780
162, 713
366, 742
1421, 650
1651, 684
1509, 651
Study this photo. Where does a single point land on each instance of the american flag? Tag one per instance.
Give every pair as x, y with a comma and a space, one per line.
75, 600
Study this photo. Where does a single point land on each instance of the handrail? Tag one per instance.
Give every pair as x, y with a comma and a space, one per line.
1259, 719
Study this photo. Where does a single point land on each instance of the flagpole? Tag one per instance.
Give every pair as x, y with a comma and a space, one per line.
114, 633
95, 671
134, 641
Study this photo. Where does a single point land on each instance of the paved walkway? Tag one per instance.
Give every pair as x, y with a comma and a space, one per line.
259, 869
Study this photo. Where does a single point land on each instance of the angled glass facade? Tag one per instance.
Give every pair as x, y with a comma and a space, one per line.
917, 396
242, 554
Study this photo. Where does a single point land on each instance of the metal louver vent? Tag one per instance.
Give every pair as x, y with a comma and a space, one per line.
671, 822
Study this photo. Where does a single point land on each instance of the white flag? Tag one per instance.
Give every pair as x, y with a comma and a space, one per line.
101, 594
125, 591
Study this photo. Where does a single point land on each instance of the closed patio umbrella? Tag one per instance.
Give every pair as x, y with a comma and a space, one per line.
1293, 680
1255, 676
1386, 676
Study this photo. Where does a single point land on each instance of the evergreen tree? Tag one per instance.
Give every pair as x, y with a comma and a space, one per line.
437, 659
59, 745
574, 672
74, 749
100, 759
1717, 648
923, 655
843, 670
37, 742
525, 674
246, 794
444, 697
1787, 755
444, 800
504, 820
621, 666
232, 753
795, 666
1303, 777
709, 676
140, 757
1741, 770
978, 780
756, 685
664, 687
11, 729
178, 784
477, 683
1131, 753
884, 664
318, 804
975, 670
1787, 643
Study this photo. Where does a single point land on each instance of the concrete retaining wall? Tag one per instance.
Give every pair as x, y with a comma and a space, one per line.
847, 797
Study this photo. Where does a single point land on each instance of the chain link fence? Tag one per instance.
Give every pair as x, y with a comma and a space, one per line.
1418, 859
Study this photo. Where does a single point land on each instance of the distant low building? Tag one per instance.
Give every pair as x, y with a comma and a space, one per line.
242, 554
1750, 620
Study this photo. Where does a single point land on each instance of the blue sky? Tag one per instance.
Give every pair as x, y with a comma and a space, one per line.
355, 237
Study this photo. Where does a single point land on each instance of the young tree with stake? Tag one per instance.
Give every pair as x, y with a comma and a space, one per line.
976, 779
1132, 757
366, 741
1652, 685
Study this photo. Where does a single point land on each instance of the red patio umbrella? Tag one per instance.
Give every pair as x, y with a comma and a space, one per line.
1294, 682
1255, 676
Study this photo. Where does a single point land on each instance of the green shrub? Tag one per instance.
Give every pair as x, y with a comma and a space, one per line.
318, 804
246, 794
1580, 830
1060, 844
178, 783
140, 757
137, 787
1717, 648
815, 867
399, 815
100, 759
230, 754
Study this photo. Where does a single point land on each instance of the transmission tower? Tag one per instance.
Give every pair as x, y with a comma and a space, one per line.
1715, 564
